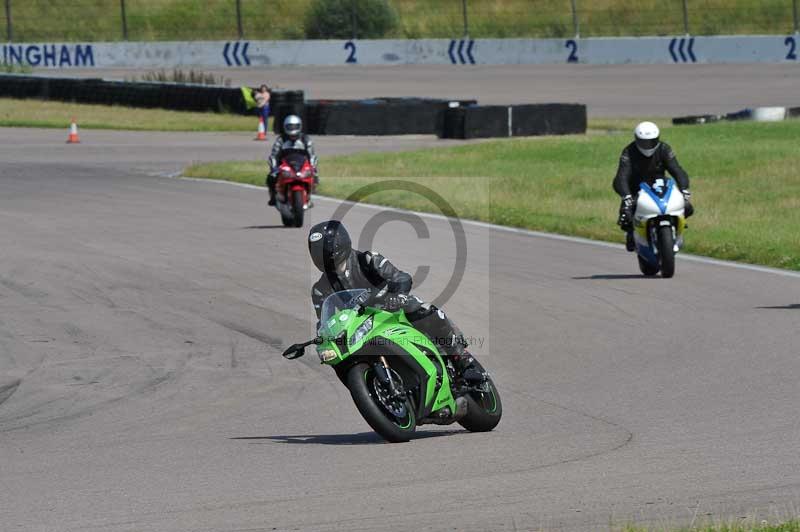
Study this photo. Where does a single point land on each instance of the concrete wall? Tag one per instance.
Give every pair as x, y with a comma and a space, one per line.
593, 51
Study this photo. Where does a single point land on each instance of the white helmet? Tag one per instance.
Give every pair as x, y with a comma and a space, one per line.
646, 135
292, 126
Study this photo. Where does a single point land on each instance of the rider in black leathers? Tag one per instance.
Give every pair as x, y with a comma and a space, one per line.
344, 268
647, 157
292, 139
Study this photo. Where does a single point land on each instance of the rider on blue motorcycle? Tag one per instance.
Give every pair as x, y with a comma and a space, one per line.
645, 158
344, 268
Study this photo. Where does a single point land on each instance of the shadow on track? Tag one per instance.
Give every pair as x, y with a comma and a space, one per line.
363, 438
612, 276
8, 387
267, 227
795, 306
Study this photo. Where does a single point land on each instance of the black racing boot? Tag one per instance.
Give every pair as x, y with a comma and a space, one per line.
630, 245
271, 178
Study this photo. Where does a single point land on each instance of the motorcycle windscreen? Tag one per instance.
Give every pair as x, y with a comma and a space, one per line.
338, 301
295, 159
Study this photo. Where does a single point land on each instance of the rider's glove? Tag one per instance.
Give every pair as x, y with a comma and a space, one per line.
625, 211
627, 203
689, 208
393, 302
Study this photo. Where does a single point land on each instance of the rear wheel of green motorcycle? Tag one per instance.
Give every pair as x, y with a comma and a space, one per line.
484, 409
369, 395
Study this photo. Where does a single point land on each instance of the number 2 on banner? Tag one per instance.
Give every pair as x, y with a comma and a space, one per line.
350, 45
573, 54
792, 45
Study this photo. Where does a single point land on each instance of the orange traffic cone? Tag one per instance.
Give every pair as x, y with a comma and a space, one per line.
262, 131
73, 133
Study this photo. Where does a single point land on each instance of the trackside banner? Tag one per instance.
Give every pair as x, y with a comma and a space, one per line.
592, 51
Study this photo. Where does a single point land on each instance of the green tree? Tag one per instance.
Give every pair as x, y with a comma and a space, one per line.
336, 19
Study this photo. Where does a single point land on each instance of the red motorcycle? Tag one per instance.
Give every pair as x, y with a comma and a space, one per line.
293, 188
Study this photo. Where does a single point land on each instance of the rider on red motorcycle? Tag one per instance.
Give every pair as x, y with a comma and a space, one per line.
291, 140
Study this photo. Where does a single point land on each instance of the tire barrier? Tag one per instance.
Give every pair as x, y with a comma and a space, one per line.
757, 114
285, 103
768, 114
696, 119
480, 121
174, 96
460, 119
488, 121
548, 119
378, 116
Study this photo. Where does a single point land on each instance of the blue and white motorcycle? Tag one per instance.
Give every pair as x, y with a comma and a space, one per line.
659, 222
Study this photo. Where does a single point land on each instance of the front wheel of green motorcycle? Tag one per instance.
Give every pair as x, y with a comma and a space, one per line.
393, 419
484, 408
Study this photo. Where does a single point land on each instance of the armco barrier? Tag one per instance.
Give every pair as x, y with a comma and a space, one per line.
462, 52
515, 120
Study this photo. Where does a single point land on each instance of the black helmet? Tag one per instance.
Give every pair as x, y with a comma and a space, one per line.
329, 245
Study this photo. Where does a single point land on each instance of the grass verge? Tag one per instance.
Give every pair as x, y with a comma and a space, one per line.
37, 113
40, 21
744, 178
748, 525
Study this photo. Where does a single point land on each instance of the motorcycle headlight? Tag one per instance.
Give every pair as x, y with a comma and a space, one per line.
361, 331
326, 355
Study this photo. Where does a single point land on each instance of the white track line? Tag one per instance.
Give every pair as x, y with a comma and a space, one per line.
527, 232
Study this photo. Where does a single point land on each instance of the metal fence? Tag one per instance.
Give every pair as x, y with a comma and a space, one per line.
182, 20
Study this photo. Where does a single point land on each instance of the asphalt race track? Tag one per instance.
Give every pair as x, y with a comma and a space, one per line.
608, 91
142, 389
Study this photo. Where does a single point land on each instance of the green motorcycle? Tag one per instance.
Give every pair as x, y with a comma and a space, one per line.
396, 375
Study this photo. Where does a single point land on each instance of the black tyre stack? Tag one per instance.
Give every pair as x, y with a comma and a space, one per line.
485, 121
175, 96
285, 103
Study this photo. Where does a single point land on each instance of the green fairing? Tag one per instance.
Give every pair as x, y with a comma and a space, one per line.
391, 327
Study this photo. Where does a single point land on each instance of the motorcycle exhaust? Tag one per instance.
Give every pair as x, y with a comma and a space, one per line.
445, 417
